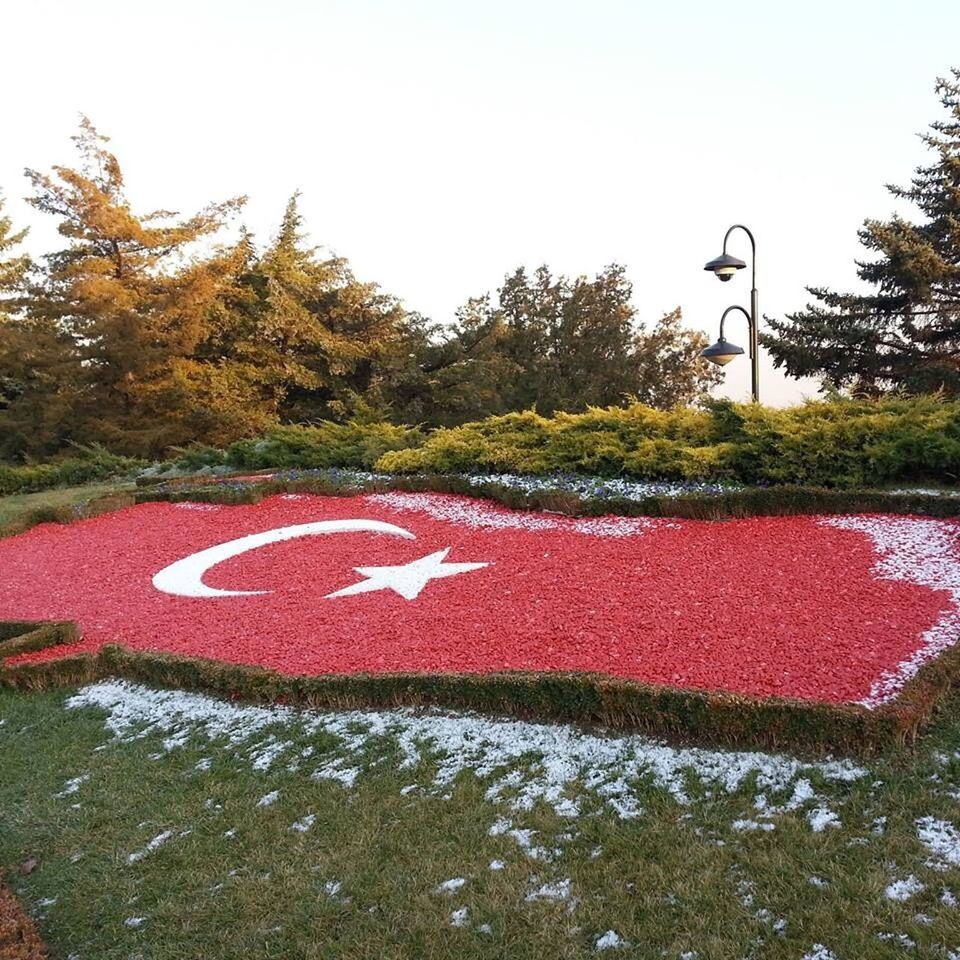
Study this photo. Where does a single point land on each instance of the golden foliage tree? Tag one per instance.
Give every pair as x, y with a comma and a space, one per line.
129, 313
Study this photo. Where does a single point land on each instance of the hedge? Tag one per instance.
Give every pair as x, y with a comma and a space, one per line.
91, 464
837, 443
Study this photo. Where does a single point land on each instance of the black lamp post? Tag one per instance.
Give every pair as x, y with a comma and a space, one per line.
722, 352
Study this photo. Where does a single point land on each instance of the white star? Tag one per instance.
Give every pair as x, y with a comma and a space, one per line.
409, 579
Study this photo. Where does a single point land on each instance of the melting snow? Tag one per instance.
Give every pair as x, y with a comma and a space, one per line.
942, 839
460, 918
451, 886
72, 786
819, 952
921, 551
304, 823
904, 889
560, 890
821, 818
269, 799
557, 758
158, 841
610, 941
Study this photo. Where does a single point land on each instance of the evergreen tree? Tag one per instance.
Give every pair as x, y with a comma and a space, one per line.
121, 318
554, 344
13, 271
322, 338
906, 333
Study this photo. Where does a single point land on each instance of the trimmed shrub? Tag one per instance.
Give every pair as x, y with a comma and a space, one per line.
835, 443
326, 444
92, 463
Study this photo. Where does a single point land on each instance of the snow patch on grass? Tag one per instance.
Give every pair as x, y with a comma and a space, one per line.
902, 890
565, 756
158, 841
942, 839
611, 940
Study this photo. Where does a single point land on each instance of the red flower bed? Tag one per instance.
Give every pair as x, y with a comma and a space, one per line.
839, 610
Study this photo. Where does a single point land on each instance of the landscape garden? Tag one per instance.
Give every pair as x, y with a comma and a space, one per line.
328, 631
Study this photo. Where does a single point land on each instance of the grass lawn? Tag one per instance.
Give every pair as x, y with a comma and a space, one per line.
15, 509
178, 834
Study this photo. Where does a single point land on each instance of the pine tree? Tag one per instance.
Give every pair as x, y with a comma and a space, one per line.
126, 313
906, 334
13, 271
321, 337
554, 343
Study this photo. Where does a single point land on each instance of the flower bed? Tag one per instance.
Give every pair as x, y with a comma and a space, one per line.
835, 613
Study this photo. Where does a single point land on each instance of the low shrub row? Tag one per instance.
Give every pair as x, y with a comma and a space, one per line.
841, 444
90, 464
838, 443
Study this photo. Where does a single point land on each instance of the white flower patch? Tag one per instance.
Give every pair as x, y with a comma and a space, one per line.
554, 759
942, 839
473, 513
158, 841
903, 890
913, 550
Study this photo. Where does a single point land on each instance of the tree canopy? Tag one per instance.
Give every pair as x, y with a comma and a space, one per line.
905, 334
147, 331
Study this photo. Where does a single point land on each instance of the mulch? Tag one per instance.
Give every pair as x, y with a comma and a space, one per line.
19, 939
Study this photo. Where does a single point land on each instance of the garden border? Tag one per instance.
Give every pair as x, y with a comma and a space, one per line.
680, 714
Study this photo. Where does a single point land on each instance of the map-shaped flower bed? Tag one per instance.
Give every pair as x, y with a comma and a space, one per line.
834, 610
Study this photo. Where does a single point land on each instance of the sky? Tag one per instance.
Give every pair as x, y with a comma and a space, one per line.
440, 145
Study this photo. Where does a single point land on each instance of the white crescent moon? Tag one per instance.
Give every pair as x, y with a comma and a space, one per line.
184, 578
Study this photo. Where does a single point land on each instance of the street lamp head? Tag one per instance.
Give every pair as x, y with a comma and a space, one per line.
725, 266
722, 352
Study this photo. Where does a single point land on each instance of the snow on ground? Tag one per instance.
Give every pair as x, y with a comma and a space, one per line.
912, 550
942, 839
553, 760
904, 889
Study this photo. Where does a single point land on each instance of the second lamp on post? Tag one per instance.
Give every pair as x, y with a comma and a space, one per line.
722, 352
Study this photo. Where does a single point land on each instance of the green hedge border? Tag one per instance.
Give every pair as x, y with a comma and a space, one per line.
678, 714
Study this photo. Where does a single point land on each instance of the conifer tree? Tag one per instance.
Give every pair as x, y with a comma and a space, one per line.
906, 333
127, 310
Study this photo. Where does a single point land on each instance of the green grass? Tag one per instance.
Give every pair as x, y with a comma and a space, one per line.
674, 879
22, 508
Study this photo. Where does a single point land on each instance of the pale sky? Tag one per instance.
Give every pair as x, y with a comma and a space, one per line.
439, 145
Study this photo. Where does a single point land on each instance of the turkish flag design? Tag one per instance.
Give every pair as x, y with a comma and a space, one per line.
814, 608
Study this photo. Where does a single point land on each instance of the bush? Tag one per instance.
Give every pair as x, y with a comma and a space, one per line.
327, 444
834, 443
91, 463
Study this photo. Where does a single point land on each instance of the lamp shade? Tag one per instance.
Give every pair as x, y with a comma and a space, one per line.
722, 352
725, 266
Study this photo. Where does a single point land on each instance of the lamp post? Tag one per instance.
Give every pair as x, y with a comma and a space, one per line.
722, 352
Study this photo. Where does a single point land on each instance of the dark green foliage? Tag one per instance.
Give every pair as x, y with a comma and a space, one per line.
91, 463
326, 444
905, 334
550, 343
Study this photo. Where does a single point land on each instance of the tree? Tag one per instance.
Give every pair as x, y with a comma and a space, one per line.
557, 344
906, 333
322, 338
13, 270
124, 320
